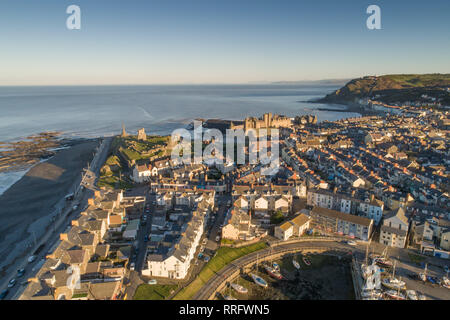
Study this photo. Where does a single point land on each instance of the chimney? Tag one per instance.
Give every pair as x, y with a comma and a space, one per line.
63, 237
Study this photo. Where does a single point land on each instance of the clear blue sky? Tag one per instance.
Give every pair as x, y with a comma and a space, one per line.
218, 41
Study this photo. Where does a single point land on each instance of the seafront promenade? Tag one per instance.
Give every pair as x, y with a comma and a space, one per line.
64, 211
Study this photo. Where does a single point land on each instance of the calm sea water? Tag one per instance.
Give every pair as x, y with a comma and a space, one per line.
92, 111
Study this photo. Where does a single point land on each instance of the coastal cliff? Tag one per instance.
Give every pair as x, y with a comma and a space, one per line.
393, 88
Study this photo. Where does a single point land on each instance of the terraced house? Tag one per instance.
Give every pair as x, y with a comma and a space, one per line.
333, 221
174, 262
83, 265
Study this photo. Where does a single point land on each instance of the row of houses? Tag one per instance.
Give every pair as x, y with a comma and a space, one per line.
366, 206
91, 258
175, 241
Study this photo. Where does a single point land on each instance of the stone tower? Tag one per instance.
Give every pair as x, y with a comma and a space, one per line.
124, 133
141, 134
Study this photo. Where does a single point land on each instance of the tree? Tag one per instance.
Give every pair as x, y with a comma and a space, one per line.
277, 217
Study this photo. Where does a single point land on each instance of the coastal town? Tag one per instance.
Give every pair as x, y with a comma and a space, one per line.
366, 199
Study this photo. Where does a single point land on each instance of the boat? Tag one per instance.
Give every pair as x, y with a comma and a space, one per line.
371, 289
272, 272
395, 295
371, 295
239, 288
394, 284
296, 264
258, 280
431, 279
276, 266
445, 282
412, 295
423, 277
306, 261
383, 262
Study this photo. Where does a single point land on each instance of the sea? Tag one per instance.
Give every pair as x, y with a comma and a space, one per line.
93, 111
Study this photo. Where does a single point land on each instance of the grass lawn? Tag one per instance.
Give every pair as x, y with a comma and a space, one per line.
153, 292
224, 256
415, 258
113, 182
227, 241
113, 160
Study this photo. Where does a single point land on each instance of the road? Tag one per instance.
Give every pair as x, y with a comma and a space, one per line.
62, 223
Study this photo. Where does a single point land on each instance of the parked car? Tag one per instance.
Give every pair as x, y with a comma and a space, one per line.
146, 238
152, 281
31, 259
217, 238
413, 276
351, 243
4, 294
132, 266
446, 269
20, 272
12, 283
206, 258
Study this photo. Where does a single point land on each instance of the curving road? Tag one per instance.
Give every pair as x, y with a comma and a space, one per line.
404, 266
221, 276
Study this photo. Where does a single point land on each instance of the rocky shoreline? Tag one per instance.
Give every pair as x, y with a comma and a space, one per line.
23, 154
